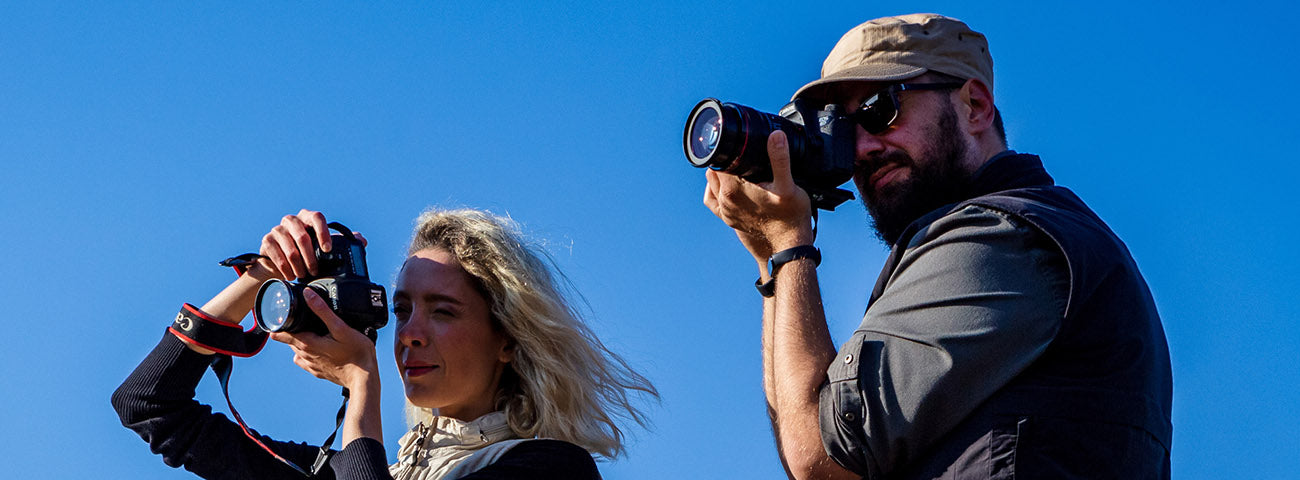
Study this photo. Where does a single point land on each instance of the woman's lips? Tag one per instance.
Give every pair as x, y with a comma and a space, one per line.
415, 371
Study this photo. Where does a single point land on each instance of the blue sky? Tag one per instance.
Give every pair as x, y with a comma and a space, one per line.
144, 141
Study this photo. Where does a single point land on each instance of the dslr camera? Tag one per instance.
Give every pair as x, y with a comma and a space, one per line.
732, 138
342, 282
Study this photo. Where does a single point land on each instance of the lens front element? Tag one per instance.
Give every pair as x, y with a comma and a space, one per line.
275, 303
705, 133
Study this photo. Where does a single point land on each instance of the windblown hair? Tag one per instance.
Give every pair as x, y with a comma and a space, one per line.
563, 383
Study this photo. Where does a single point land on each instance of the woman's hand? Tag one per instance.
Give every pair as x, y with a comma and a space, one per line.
288, 247
345, 357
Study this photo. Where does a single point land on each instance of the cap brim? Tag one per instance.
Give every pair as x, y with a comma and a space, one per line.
876, 72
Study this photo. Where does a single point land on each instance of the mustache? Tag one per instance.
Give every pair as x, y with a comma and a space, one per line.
877, 161
864, 168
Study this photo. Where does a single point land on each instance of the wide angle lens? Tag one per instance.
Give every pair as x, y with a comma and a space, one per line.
275, 303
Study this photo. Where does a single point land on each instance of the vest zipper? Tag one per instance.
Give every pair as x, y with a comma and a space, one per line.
419, 451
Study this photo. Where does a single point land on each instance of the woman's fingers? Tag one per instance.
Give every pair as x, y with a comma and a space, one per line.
316, 221
337, 327
291, 245
300, 239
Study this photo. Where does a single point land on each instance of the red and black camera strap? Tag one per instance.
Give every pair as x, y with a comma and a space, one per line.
196, 328
222, 365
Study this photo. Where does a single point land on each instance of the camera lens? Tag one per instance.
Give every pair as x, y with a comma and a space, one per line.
733, 138
706, 129
275, 304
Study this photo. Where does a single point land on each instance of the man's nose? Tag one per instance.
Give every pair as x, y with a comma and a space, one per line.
867, 145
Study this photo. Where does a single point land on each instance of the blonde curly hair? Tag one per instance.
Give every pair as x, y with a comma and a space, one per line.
563, 383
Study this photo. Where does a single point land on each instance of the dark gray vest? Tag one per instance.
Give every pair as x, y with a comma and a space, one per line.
1097, 403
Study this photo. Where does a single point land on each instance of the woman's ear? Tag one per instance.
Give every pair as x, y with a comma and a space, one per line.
507, 353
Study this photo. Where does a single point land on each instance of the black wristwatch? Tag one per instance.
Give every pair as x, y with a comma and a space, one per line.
774, 264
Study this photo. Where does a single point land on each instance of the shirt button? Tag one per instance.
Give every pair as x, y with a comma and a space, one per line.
850, 417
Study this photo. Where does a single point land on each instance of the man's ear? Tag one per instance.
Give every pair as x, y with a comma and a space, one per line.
980, 112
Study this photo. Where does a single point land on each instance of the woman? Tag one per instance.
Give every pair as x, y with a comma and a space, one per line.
502, 378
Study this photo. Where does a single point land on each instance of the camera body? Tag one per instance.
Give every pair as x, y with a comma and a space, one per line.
342, 281
732, 138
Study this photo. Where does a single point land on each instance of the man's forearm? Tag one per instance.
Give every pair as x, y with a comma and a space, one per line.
797, 351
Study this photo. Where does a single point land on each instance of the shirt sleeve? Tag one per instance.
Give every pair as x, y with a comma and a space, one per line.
973, 300
157, 402
361, 459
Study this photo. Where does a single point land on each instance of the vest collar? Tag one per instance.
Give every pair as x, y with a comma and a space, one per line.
1009, 170
484, 430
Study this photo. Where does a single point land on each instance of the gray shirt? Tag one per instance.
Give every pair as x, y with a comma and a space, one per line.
975, 298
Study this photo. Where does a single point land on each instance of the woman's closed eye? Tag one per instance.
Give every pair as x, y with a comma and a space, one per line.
401, 311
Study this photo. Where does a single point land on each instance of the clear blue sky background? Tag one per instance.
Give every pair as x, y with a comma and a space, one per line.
144, 141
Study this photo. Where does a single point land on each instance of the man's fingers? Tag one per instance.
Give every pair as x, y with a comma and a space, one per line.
710, 190
778, 152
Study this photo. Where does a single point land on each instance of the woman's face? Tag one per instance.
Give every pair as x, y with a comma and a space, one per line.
450, 357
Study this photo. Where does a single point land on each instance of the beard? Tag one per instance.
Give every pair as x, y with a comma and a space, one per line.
937, 180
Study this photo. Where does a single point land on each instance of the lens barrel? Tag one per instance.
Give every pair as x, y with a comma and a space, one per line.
733, 138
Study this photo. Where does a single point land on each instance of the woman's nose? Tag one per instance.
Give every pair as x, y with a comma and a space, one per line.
412, 334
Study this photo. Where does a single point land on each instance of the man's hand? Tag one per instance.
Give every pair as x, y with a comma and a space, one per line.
768, 217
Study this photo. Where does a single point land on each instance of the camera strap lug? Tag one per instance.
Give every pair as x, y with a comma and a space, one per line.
241, 263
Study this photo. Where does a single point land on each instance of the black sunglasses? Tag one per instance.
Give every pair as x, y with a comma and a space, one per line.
879, 111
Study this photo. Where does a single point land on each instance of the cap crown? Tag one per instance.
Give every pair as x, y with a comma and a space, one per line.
897, 48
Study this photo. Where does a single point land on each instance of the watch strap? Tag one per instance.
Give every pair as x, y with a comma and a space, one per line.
778, 260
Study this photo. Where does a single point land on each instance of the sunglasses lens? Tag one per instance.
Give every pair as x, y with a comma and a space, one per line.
876, 113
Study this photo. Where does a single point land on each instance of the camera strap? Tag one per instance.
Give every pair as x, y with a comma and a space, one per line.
241, 263
196, 328
222, 366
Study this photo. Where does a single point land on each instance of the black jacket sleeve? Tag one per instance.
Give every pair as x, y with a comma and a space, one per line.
157, 402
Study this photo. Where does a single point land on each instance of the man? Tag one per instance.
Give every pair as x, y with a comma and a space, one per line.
1009, 335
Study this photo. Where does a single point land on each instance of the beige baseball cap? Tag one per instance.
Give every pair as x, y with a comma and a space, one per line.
897, 48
